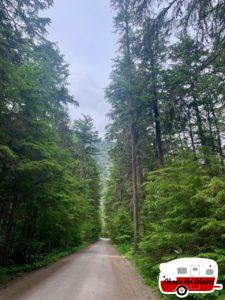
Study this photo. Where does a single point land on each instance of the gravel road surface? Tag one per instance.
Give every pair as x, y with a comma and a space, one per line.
96, 273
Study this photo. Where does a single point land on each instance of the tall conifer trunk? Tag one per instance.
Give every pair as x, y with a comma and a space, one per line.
133, 137
219, 142
158, 138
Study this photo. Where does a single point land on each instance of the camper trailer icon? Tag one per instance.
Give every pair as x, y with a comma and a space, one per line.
184, 276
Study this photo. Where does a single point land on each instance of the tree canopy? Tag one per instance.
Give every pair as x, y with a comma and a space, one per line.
167, 125
46, 203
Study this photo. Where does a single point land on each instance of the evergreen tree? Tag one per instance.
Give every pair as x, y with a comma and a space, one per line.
177, 92
45, 204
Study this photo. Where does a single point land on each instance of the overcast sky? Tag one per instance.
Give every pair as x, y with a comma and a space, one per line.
83, 30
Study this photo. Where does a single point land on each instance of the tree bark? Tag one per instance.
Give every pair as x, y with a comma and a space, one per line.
211, 131
132, 131
8, 232
218, 136
199, 121
135, 187
158, 138
191, 132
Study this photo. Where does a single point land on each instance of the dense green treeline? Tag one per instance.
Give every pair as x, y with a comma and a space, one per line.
166, 193
49, 181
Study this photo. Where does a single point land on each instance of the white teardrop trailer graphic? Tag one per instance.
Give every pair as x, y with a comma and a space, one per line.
184, 276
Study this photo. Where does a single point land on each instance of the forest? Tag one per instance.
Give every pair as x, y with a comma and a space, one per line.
49, 180
165, 195
160, 173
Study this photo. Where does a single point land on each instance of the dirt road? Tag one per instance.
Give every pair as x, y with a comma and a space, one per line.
96, 273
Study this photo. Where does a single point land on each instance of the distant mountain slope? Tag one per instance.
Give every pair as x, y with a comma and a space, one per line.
102, 159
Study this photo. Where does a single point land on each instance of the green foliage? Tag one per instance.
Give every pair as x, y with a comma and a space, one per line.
120, 226
181, 217
46, 203
124, 249
167, 122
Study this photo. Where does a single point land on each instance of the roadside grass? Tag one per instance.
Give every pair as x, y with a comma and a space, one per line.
12, 271
150, 273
